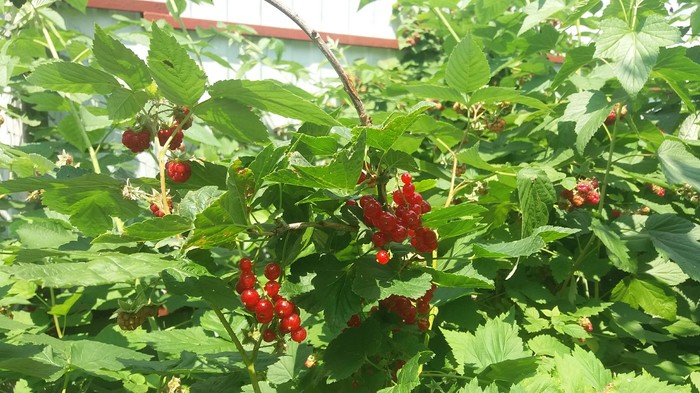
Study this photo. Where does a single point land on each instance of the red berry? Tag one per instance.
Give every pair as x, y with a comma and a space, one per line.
179, 114
594, 183
615, 213
362, 178
372, 209
250, 297
247, 280
566, 194
136, 141
386, 222
399, 234
593, 198
425, 207
423, 324
409, 189
379, 239
273, 271
178, 171
245, 264
289, 323
411, 220
354, 321
584, 187
423, 307
284, 307
299, 334
263, 307
366, 199
398, 197
264, 318
239, 287
383, 257
272, 288
612, 117
406, 178
269, 335
165, 133
578, 200
350, 203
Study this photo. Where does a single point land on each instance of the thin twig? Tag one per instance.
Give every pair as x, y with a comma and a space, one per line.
349, 87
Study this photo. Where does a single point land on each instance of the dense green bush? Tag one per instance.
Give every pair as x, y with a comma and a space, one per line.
520, 215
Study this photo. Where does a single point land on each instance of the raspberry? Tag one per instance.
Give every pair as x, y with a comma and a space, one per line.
179, 114
423, 324
250, 297
615, 213
272, 288
383, 257
245, 264
136, 141
593, 198
566, 194
165, 133
269, 335
584, 188
379, 239
155, 209
299, 334
354, 321
284, 308
406, 178
578, 200
273, 271
612, 117
178, 171
289, 323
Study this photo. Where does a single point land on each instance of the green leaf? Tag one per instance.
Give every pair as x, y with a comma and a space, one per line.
581, 371
96, 357
344, 356
547, 346
191, 280
467, 277
471, 158
408, 377
615, 245
440, 216
647, 295
438, 92
152, 229
103, 269
178, 77
177, 341
290, 365
386, 137
634, 50
536, 194
44, 234
678, 165
467, 67
341, 174
214, 227
197, 201
265, 163
538, 11
491, 343
240, 185
124, 104
80, 5
588, 110
176, 7
676, 238
492, 95
514, 249
575, 59
232, 119
272, 96
30, 360
550, 233
645, 383
120, 61
374, 282
72, 78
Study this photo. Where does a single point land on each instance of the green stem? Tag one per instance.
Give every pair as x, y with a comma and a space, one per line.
56, 322
446, 23
86, 138
608, 165
250, 365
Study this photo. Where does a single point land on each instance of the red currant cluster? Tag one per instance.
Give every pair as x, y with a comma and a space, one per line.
155, 209
405, 222
411, 311
658, 190
586, 192
271, 304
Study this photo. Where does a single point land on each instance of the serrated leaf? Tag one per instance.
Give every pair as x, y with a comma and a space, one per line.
547, 345
678, 165
588, 110
514, 249
634, 51
188, 281
272, 96
232, 119
550, 233
386, 137
467, 277
152, 229
124, 103
115, 58
581, 371
289, 365
240, 185
438, 92
493, 94
408, 377
472, 158
103, 269
44, 234
373, 282
676, 238
30, 360
177, 341
647, 295
491, 343
467, 67
615, 245
179, 78
344, 356
536, 194
538, 11
265, 163
72, 78
440, 216
575, 59
214, 227
644, 383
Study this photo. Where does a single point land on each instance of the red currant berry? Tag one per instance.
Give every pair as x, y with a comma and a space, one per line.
425, 207
386, 222
366, 199
350, 203
399, 234
247, 280
379, 239
269, 335
372, 209
411, 220
289, 323
383, 257
245, 264
273, 271
299, 334
272, 288
239, 287
415, 199
284, 307
264, 318
264, 306
409, 189
250, 297
423, 307
398, 197
406, 178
